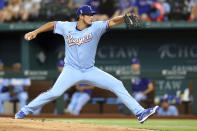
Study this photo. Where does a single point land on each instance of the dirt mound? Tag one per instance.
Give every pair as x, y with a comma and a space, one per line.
9, 124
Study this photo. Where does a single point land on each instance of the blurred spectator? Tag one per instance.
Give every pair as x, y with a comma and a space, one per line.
95, 6
140, 86
16, 67
166, 8
57, 10
13, 10
167, 110
1, 65
179, 10
2, 6
159, 11
126, 6
69, 3
193, 6
148, 10
107, 7
144, 8
30, 8
79, 98
17, 90
104, 8
48, 1
78, 3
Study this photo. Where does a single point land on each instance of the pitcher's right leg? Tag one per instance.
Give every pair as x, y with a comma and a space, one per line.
67, 78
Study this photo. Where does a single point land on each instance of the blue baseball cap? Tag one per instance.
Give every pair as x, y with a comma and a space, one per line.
85, 10
164, 100
60, 63
135, 61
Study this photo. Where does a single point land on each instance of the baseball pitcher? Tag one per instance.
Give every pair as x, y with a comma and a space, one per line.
81, 41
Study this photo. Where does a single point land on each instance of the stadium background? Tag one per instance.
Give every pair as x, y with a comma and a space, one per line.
167, 50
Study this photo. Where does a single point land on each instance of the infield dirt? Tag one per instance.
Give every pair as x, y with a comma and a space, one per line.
10, 124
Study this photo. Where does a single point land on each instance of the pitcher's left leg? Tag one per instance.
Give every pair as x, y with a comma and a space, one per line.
104, 80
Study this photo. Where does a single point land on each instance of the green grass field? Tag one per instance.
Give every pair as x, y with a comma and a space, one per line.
154, 124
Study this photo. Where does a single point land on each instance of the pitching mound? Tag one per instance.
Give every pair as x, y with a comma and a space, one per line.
9, 124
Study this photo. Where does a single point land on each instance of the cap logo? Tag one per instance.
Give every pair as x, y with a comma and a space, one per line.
90, 7
81, 11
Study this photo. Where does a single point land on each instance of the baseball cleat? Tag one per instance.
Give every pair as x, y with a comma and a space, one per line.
19, 115
147, 114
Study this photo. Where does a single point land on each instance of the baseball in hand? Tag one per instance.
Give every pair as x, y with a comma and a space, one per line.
28, 38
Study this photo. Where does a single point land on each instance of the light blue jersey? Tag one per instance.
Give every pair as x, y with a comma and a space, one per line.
80, 46
19, 83
172, 111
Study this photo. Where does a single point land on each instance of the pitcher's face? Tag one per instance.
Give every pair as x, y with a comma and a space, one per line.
87, 19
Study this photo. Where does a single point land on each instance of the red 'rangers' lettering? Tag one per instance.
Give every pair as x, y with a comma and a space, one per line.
78, 41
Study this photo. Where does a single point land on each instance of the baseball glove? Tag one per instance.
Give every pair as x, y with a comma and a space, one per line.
131, 21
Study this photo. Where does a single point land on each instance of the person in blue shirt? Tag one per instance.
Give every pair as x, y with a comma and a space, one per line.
79, 98
167, 8
167, 110
140, 86
144, 6
2, 4
13, 89
126, 6
16, 90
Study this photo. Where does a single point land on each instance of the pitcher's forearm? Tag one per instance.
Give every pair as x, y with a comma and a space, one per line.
116, 21
46, 27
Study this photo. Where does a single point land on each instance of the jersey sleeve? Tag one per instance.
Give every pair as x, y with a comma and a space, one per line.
59, 27
101, 27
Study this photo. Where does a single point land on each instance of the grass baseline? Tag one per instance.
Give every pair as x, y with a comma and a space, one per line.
154, 124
